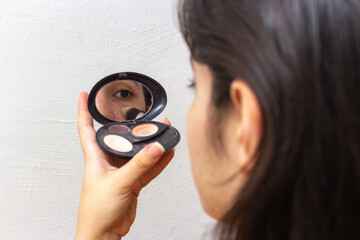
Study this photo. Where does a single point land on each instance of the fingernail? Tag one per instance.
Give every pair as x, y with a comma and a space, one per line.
156, 150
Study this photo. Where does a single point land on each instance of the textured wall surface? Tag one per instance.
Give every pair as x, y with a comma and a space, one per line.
50, 51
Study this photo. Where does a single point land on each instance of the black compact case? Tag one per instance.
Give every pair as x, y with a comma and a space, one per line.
125, 103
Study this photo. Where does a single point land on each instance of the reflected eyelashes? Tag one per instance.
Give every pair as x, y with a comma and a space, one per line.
123, 94
192, 83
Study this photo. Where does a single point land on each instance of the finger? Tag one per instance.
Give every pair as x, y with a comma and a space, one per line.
154, 172
140, 164
86, 130
157, 169
166, 121
85, 121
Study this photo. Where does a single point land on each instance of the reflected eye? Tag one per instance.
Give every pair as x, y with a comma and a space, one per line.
123, 94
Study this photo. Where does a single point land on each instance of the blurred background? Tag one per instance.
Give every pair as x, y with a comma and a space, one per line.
49, 52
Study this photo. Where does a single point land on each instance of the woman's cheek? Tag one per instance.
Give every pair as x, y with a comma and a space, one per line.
190, 129
195, 133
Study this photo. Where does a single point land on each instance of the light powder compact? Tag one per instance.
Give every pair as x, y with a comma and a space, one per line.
125, 103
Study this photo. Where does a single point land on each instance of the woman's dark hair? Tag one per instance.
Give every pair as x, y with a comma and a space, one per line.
302, 60
147, 97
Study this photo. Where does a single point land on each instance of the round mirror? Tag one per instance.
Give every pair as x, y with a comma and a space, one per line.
123, 100
126, 96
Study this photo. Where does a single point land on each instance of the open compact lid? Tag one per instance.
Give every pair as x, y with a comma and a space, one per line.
126, 97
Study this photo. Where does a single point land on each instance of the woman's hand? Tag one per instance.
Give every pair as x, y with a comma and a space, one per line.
111, 186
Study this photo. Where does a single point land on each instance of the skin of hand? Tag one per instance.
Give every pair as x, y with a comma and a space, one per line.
110, 185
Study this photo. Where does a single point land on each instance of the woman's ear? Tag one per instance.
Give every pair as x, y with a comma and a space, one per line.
249, 126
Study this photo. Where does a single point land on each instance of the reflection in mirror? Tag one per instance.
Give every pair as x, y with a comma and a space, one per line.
123, 100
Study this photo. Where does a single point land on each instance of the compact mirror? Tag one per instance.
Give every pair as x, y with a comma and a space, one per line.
126, 96
125, 103
123, 100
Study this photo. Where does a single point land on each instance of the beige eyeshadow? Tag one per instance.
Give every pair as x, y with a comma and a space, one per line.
118, 143
144, 130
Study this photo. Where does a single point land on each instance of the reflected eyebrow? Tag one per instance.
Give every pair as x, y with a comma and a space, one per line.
137, 84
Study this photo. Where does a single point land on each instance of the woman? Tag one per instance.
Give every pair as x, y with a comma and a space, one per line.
277, 88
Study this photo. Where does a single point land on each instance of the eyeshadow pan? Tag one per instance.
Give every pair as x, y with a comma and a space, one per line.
118, 143
118, 129
145, 130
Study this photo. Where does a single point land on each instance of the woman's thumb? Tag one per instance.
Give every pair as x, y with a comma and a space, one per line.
140, 164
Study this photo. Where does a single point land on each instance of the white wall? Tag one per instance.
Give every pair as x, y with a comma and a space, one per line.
49, 52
